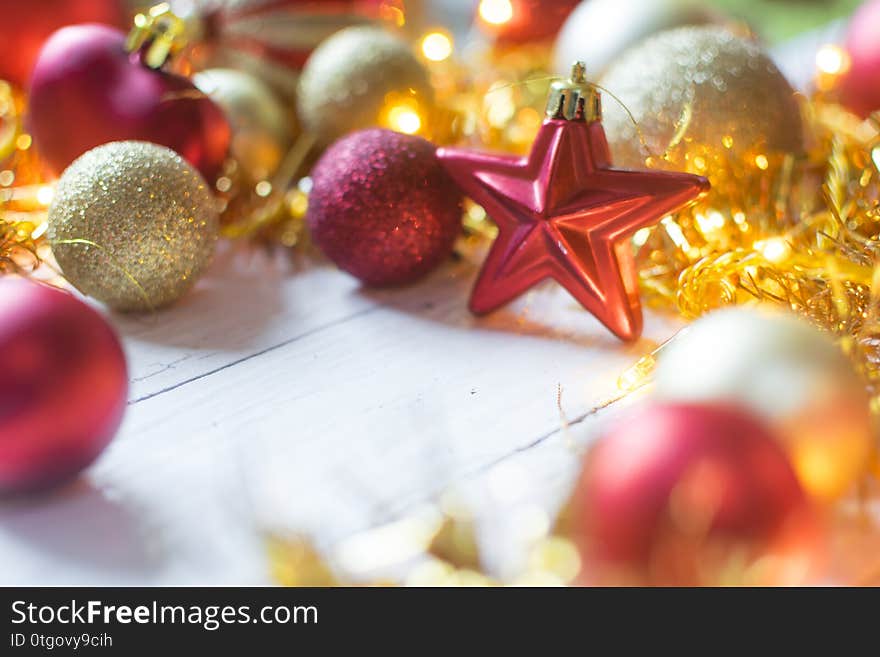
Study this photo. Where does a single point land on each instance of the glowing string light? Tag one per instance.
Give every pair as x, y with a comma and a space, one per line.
496, 12
437, 46
832, 60
404, 119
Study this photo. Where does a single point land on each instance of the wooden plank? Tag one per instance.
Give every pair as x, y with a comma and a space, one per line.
296, 399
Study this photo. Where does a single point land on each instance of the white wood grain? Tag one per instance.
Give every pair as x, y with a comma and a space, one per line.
282, 394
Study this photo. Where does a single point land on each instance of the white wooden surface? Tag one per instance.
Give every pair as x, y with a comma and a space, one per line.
281, 394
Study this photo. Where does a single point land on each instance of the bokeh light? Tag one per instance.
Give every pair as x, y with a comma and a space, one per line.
496, 12
437, 46
832, 60
405, 119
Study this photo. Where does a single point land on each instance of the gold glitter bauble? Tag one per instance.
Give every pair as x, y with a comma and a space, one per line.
132, 224
261, 127
696, 89
353, 78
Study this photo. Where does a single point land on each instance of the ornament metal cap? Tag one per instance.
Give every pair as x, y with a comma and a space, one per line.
574, 99
159, 32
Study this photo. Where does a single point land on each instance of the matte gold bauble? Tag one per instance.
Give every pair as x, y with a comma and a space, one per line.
352, 80
695, 92
132, 224
261, 128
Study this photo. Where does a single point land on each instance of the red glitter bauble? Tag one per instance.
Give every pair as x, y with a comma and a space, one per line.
684, 494
27, 25
531, 20
63, 386
860, 85
86, 90
382, 208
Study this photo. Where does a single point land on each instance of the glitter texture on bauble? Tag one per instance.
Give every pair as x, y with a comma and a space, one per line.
382, 208
695, 91
133, 225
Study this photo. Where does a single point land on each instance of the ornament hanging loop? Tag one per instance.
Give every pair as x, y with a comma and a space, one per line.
574, 99
159, 34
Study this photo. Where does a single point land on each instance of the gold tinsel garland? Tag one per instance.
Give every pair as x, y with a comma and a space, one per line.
23, 199
803, 234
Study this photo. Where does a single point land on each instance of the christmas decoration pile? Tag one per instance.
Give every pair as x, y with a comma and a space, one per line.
690, 176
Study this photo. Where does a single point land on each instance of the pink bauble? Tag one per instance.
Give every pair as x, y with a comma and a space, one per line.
26, 26
681, 494
86, 90
63, 386
860, 86
383, 208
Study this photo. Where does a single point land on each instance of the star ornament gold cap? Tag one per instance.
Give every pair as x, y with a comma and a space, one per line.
574, 99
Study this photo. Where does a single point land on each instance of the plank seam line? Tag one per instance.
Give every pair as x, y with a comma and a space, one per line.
595, 410
280, 345
401, 511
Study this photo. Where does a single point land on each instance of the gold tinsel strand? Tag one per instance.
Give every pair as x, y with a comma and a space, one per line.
23, 199
799, 234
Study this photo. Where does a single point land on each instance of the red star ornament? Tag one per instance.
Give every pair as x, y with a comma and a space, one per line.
564, 213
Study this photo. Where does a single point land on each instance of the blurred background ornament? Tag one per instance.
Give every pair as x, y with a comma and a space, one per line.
27, 27
599, 31
513, 22
363, 77
63, 383
684, 494
87, 89
132, 225
262, 128
382, 207
859, 85
272, 39
788, 373
692, 93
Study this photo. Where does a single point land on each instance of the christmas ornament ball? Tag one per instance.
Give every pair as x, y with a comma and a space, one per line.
789, 374
695, 88
686, 494
63, 386
382, 207
353, 78
27, 26
599, 31
860, 86
133, 225
86, 90
261, 128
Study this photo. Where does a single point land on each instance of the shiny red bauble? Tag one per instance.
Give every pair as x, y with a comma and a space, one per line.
682, 494
86, 90
27, 25
860, 86
528, 20
383, 208
63, 386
